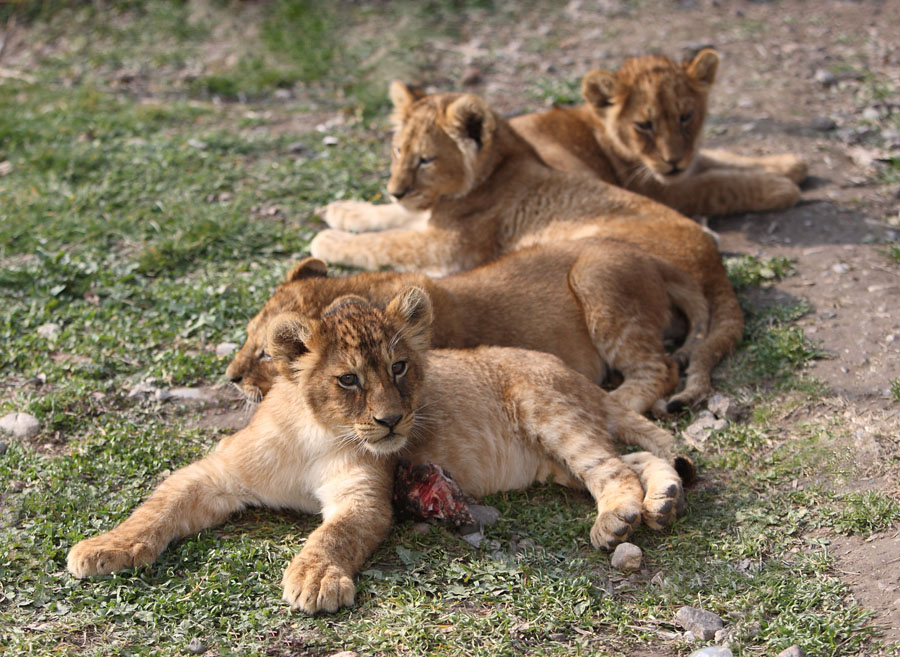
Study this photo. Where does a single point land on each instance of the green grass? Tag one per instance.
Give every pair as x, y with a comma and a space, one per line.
748, 270
151, 226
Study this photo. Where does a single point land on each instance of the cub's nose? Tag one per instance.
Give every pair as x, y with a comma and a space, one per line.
399, 194
236, 379
389, 421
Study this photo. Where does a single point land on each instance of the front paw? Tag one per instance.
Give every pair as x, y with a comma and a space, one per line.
346, 215
790, 166
313, 584
107, 553
616, 521
330, 245
662, 501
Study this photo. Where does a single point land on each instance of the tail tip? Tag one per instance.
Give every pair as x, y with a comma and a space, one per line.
686, 469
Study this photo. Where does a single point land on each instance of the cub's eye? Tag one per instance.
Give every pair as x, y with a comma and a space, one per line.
263, 355
399, 368
645, 126
425, 161
686, 118
348, 380
395, 151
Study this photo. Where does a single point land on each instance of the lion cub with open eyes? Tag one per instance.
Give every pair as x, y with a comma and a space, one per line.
640, 128
358, 390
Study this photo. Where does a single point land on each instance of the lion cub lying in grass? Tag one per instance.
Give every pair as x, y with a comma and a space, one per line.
596, 304
360, 389
641, 129
486, 193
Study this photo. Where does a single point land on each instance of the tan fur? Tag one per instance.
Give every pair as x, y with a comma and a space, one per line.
596, 304
608, 136
358, 390
487, 193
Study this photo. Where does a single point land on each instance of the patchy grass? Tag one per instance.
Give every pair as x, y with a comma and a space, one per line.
149, 230
748, 270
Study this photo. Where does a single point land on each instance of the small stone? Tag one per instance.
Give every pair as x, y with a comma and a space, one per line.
702, 428
283, 94
197, 647
16, 486
524, 544
484, 515
724, 407
20, 425
703, 624
196, 143
49, 331
189, 394
144, 390
713, 651
297, 148
161, 394
330, 141
627, 557
421, 527
474, 539
825, 78
225, 349
793, 651
3, 448
871, 114
840, 268
822, 123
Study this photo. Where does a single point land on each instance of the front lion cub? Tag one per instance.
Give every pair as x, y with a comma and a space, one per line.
358, 390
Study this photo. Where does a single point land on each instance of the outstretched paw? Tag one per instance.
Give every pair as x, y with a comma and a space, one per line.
312, 584
616, 522
107, 553
330, 245
790, 166
663, 499
347, 215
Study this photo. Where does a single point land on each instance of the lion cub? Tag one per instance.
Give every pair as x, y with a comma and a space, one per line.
596, 304
486, 193
360, 389
640, 129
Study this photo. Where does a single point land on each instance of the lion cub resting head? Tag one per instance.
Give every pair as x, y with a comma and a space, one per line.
641, 127
654, 109
599, 305
359, 390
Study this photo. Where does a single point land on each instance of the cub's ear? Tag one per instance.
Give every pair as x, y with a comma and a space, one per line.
288, 337
402, 97
704, 66
412, 313
346, 300
470, 121
599, 88
307, 268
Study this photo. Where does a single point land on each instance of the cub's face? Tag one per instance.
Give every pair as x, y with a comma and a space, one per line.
358, 368
439, 146
426, 164
654, 109
252, 369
